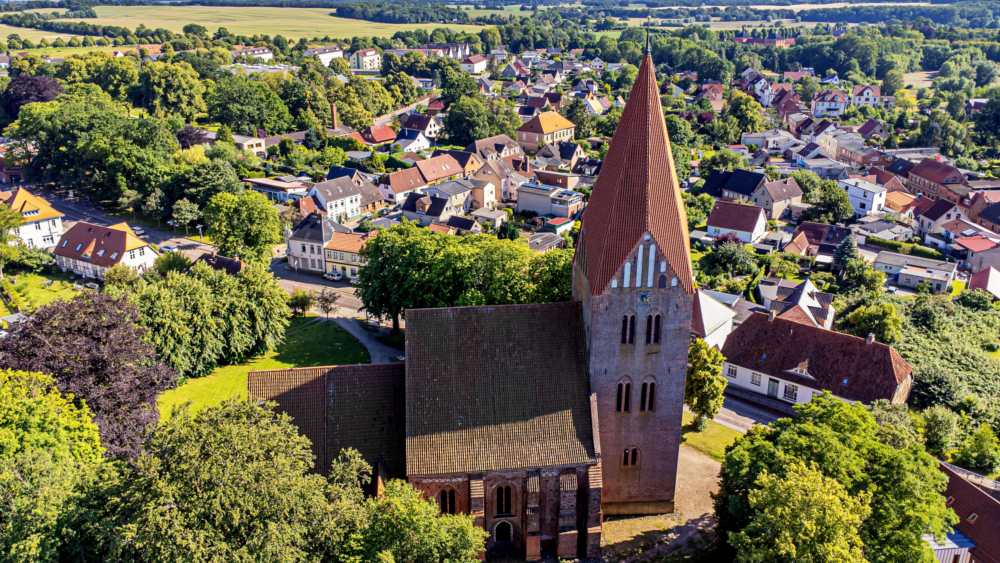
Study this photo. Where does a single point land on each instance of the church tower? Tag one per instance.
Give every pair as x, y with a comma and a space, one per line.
633, 275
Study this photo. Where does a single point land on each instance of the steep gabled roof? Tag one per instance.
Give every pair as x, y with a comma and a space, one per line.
966, 500
637, 192
735, 216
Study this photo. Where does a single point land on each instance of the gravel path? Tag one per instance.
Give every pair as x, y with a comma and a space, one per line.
380, 353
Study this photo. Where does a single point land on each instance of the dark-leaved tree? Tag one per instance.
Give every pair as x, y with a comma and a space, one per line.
24, 90
93, 347
190, 136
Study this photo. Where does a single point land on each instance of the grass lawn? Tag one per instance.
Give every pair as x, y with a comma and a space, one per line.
711, 441
35, 294
957, 287
290, 22
308, 343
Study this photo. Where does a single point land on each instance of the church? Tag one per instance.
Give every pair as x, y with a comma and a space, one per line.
538, 419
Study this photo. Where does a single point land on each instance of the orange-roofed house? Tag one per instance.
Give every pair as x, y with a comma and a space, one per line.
343, 252
902, 203
91, 250
41, 225
545, 128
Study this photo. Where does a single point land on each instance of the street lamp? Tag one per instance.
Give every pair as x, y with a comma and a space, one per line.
199, 231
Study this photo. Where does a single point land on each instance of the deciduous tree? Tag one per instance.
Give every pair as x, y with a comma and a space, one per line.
96, 352
704, 384
245, 225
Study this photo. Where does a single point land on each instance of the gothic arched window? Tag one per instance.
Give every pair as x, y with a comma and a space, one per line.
503, 500
448, 501
630, 457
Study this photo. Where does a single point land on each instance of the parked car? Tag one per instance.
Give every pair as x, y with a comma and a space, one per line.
139, 231
335, 276
168, 248
92, 285
355, 281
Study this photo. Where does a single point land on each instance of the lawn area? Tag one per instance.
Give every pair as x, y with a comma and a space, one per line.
308, 343
919, 79
711, 441
289, 22
957, 287
35, 294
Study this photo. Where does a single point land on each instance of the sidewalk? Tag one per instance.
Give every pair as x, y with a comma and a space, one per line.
380, 353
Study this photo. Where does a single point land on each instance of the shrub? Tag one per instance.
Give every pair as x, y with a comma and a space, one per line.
906, 248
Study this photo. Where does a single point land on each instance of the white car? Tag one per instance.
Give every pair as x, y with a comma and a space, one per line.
139, 231
168, 248
335, 276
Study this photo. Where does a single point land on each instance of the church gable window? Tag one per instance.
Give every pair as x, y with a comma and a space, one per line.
447, 501
630, 457
503, 505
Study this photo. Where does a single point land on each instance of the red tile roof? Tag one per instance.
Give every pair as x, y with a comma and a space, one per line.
976, 243
969, 499
735, 216
101, 246
636, 193
937, 172
439, 167
379, 134
402, 181
776, 347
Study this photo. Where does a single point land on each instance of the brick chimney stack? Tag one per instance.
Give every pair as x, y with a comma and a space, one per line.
333, 114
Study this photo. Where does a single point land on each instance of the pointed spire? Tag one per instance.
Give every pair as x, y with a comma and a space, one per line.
648, 51
636, 193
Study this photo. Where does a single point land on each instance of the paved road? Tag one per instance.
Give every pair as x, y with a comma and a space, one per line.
741, 415
387, 118
76, 211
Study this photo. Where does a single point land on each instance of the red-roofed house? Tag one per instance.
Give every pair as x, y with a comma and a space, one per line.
745, 221
378, 134
987, 280
978, 524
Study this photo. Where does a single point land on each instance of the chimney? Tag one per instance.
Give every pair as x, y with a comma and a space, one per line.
871, 338
771, 315
333, 114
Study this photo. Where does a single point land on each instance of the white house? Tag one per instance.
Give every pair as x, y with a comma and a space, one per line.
865, 95
475, 64
41, 225
829, 102
411, 140
91, 250
711, 320
339, 197
780, 362
366, 59
325, 55
304, 245
260, 53
279, 189
745, 221
866, 197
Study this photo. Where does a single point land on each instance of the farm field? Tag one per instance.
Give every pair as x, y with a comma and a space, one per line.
800, 7
919, 79
29, 33
289, 22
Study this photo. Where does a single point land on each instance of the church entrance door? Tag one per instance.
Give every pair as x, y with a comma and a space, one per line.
503, 532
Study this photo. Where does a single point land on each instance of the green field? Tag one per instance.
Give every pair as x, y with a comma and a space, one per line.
711, 441
289, 22
307, 343
29, 33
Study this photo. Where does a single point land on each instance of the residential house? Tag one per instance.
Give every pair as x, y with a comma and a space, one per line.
41, 225
464, 225
325, 55
929, 220
776, 197
343, 253
231, 266
422, 122
340, 197
468, 163
745, 221
485, 85
902, 203
495, 217
304, 244
502, 175
965, 248
10, 172
974, 538
548, 200
475, 64
714, 93
711, 320
484, 194
543, 242
279, 189
378, 134
397, 185
866, 197
495, 148
801, 302
559, 179
544, 129
826, 168
439, 169
559, 225
91, 250
770, 140
450, 50
829, 102
873, 128
410, 140
738, 185
304, 207
880, 229
365, 59
974, 106
988, 280
859, 156
908, 270
932, 178
866, 95
900, 168
816, 239
253, 144
832, 79
260, 53
426, 209
457, 192
560, 154
780, 362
